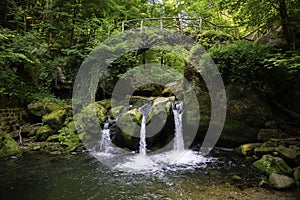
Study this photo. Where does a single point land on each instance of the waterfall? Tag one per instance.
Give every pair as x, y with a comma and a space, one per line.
105, 142
145, 111
177, 108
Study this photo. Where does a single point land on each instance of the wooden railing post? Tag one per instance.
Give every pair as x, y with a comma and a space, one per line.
200, 23
161, 24
123, 26
142, 25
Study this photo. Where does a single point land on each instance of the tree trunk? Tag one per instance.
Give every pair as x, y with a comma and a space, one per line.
285, 22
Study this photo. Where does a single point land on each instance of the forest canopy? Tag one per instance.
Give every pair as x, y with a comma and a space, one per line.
43, 42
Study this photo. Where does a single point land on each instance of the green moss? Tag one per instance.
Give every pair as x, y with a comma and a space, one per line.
8, 146
43, 107
128, 122
270, 164
55, 119
116, 111
43, 133
97, 109
68, 137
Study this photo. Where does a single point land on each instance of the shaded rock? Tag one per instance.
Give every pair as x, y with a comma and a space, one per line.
271, 124
149, 90
43, 133
36, 146
55, 119
88, 123
296, 175
159, 111
53, 138
259, 151
97, 109
115, 111
267, 134
8, 146
281, 182
128, 122
290, 155
43, 107
270, 164
246, 115
172, 88
247, 149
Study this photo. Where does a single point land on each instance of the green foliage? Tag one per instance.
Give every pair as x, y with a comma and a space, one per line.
241, 62
210, 38
259, 67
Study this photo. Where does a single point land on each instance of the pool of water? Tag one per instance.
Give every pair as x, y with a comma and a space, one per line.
82, 176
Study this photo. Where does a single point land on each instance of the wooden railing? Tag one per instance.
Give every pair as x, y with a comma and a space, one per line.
181, 24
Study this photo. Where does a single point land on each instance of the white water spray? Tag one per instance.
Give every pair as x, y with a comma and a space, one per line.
105, 142
177, 108
145, 111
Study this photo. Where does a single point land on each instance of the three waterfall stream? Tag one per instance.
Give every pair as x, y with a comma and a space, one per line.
176, 158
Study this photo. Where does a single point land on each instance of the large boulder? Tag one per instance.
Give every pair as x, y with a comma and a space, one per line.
8, 146
246, 115
88, 123
128, 122
270, 164
55, 119
40, 108
281, 181
160, 124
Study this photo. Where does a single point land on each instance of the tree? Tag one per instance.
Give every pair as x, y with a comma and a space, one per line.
261, 13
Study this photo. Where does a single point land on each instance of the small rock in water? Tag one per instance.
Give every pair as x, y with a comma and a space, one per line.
281, 182
236, 177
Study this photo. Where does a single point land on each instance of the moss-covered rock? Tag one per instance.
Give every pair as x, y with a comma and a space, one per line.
43, 133
8, 146
43, 107
290, 155
115, 111
160, 109
97, 109
89, 121
267, 134
55, 119
270, 164
69, 139
247, 149
37, 146
296, 175
128, 122
281, 182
